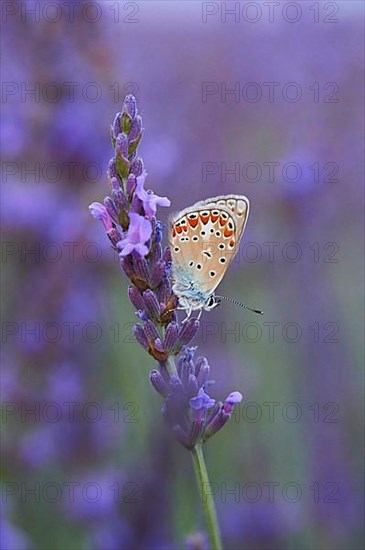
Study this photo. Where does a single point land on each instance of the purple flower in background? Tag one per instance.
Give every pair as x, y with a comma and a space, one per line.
138, 234
149, 200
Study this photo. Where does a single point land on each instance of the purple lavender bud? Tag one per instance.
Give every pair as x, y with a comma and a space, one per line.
232, 400
188, 331
142, 316
141, 267
158, 344
122, 162
156, 254
135, 297
141, 336
171, 337
151, 332
202, 371
216, 422
186, 361
187, 368
130, 105
114, 236
114, 183
137, 167
164, 291
157, 274
192, 387
151, 305
167, 255
126, 263
136, 130
159, 383
159, 230
131, 184
137, 206
196, 432
119, 199
164, 372
112, 211
112, 168
176, 385
117, 128
121, 145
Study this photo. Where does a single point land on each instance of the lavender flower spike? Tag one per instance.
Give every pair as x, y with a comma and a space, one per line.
129, 219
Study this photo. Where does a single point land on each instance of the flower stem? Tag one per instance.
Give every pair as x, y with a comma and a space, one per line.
206, 497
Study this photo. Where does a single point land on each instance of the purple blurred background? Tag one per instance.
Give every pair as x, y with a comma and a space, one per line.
236, 97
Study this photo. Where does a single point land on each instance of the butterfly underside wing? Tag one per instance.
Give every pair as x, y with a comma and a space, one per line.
204, 240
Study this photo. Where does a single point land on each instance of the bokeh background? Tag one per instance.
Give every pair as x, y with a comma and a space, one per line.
86, 460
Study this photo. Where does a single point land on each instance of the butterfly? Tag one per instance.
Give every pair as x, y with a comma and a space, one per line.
204, 239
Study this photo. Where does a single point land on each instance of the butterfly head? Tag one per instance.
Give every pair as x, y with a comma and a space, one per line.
191, 297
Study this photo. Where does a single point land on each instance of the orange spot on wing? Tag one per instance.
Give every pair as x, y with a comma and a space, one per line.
214, 217
174, 232
204, 219
228, 232
222, 221
232, 243
193, 222
179, 229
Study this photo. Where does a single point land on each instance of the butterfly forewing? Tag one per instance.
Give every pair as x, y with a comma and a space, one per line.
205, 238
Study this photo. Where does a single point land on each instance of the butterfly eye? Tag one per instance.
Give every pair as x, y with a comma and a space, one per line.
210, 302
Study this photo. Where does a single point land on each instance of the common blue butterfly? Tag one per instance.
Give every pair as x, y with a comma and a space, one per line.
204, 240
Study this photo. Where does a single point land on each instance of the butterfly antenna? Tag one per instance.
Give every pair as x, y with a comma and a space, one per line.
240, 304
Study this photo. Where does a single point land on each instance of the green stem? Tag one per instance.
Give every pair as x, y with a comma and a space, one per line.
171, 367
206, 497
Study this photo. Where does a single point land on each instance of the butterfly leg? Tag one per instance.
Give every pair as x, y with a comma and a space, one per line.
188, 314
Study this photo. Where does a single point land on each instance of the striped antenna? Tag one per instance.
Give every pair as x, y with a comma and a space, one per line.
239, 304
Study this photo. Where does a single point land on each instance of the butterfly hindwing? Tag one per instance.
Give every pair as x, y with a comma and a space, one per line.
205, 238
